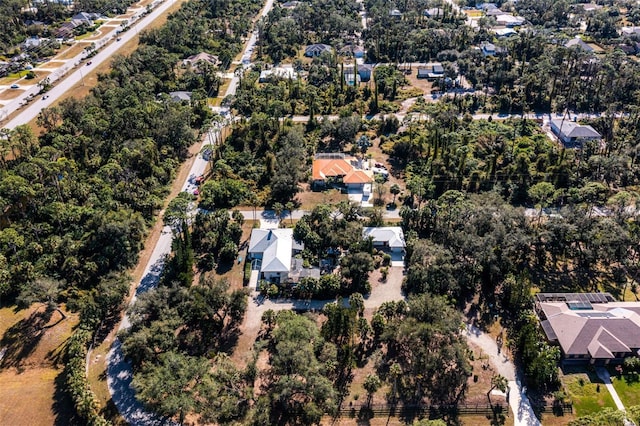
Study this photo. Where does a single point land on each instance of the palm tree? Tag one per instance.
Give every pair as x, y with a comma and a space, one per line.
371, 384
254, 201
289, 207
395, 371
277, 210
395, 190
497, 382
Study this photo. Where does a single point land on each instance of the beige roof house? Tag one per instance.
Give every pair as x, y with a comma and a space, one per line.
590, 326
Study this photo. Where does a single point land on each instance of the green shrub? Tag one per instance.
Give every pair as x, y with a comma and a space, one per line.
273, 290
77, 385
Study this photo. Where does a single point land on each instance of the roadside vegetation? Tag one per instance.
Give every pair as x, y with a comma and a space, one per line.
492, 211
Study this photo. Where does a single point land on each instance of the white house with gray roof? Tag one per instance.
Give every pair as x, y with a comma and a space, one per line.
271, 252
386, 238
572, 134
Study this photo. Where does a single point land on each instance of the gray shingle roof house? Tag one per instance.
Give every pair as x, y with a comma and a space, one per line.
202, 57
590, 327
490, 49
432, 71
572, 134
386, 237
87, 17
180, 96
577, 43
317, 49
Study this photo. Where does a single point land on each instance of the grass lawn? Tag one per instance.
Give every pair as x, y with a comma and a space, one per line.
583, 391
628, 390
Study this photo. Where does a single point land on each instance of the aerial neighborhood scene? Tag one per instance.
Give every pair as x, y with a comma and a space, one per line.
319, 212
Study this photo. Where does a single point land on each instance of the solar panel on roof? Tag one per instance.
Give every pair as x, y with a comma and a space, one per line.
596, 315
579, 305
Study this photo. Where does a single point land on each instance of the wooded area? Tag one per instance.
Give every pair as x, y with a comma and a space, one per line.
492, 210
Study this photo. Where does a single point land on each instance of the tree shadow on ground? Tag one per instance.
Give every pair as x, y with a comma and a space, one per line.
228, 340
62, 405
224, 267
21, 339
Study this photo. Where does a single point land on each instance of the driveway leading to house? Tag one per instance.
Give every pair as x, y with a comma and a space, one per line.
604, 375
518, 400
390, 290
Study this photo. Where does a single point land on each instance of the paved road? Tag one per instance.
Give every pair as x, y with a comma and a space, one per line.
518, 400
248, 51
401, 116
119, 375
34, 108
297, 214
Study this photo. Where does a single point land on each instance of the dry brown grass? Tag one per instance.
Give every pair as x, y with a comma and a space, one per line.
27, 398
309, 199
419, 83
71, 51
51, 64
10, 94
30, 370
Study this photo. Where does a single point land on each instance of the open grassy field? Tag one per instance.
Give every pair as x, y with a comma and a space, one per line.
309, 199
32, 341
10, 94
72, 51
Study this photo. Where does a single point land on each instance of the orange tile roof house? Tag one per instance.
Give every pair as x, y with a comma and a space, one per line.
340, 170
590, 327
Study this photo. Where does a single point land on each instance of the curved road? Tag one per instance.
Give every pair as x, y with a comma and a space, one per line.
75, 77
119, 374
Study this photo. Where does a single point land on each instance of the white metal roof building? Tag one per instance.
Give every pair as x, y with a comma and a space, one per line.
275, 248
390, 237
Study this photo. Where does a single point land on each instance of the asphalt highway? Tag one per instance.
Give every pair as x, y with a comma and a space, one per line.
77, 69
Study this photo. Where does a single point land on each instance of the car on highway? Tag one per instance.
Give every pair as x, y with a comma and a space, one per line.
14, 86
88, 63
119, 38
